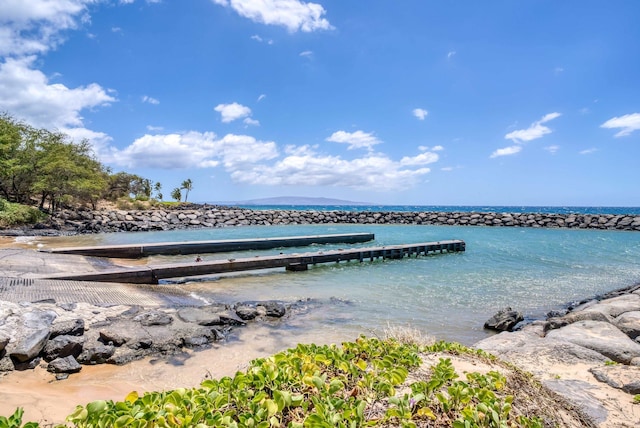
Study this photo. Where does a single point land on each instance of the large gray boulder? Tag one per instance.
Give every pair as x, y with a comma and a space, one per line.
617, 306
32, 332
62, 346
601, 337
626, 378
629, 324
64, 365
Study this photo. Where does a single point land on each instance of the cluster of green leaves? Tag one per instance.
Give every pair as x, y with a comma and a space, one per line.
15, 420
12, 214
322, 386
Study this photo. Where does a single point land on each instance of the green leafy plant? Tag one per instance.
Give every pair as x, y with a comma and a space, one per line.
15, 420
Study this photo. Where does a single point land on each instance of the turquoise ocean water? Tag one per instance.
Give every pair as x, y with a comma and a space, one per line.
449, 296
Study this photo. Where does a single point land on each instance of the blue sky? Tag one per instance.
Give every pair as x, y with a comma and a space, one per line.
397, 102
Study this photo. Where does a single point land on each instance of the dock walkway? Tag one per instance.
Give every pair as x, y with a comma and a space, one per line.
151, 274
132, 251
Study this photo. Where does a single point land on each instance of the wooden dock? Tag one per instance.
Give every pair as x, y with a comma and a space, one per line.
294, 262
133, 251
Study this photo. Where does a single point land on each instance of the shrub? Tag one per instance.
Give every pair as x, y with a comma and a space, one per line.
12, 214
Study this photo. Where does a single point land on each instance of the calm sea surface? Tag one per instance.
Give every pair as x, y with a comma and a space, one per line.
449, 296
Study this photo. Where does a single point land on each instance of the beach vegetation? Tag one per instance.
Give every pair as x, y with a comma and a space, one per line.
13, 214
15, 420
368, 382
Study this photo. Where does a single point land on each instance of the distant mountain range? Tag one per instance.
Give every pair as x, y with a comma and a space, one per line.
295, 200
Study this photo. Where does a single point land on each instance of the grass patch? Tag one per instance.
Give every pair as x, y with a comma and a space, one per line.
12, 214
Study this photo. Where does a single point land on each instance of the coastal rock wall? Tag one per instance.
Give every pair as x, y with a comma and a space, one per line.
86, 221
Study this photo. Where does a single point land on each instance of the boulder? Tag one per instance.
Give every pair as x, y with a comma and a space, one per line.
64, 365
629, 324
247, 312
273, 309
504, 320
29, 344
626, 378
199, 316
113, 337
96, 354
62, 346
601, 337
618, 305
68, 328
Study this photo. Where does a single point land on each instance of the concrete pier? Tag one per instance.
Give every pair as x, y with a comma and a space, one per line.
151, 274
133, 251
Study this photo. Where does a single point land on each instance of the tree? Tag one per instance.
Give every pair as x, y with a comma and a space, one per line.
157, 187
187, 185
176, 194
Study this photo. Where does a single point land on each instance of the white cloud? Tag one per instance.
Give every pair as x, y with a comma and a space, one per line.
588, 151
437, 148
507, 151
27, 94
446, 168
261, 97
421, 159
192, 149
306, 54
256, 38
420, 113
552, 149
98, 140
149, 100
252, 122
628, 123
154, 128
450, 54
307, 168
535, 131
233, 111
294, 15
35, 26
116, 30
355, 140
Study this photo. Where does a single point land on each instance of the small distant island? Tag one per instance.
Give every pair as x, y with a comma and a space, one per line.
296, 200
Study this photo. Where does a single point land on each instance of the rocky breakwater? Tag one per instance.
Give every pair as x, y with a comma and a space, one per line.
203, 216
63, 337
590, 355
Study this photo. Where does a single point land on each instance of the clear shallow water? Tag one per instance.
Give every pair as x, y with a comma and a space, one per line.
449, 296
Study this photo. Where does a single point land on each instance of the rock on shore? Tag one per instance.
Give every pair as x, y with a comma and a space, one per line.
67, 336
590, 355
204, 216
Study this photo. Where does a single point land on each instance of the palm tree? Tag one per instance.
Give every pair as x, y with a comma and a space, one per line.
176, 194
187, 185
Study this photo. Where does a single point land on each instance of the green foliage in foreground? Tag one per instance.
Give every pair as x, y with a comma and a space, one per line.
361, 383
12, 214
15, 421
320, 386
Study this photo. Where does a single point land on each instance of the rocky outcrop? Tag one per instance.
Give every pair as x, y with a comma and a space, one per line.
583, 354
504, 320
69, 336
205, 216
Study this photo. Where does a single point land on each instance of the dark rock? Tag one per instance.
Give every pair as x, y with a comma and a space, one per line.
96, 354
52, 301
67, 328
63, 346
64, 365
141, 343
113, 337
26, 365
554, 323
555, 314
246, 312
30, 344
62, 376
153, 318
230, 318
273, 309
504, 320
